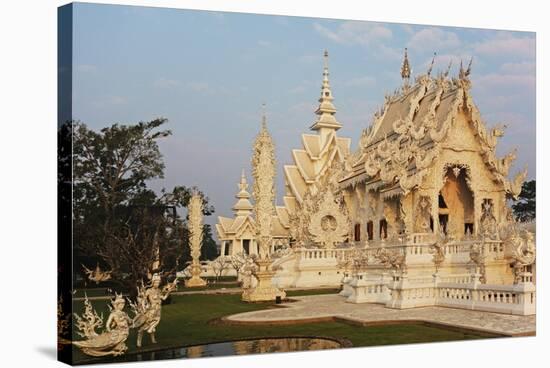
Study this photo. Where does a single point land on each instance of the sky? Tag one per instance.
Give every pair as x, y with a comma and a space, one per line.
209, 73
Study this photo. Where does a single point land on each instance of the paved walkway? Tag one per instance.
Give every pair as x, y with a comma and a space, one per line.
318, 307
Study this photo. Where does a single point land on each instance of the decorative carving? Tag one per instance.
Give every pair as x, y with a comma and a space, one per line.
517, 183
148, 306
519, 248
355, 260
503, 165
391, 258
488, 222
478, 257
323, 219
97, 275
195, 240
63, 325
423, 214
328, 226
263, 170
438, 254
112, 340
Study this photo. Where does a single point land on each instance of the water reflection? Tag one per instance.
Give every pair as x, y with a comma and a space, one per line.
271, 345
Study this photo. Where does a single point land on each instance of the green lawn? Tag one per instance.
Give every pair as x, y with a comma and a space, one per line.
188, 321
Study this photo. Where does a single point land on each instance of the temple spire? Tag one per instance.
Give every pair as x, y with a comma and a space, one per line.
405, 69
326, 110
243, 207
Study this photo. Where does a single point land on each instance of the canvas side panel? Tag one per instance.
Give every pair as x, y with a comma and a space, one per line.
64, 181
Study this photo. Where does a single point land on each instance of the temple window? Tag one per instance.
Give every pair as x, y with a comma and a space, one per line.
370, 230
383, 229
357, 232
468, 228
246, 246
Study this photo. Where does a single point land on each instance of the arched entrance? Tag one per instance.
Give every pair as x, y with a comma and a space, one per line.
456, 204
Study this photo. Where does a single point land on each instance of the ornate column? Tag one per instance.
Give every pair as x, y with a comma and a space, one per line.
263, 170
195, 240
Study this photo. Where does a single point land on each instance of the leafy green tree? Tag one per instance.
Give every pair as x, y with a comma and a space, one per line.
525, 207
118, 221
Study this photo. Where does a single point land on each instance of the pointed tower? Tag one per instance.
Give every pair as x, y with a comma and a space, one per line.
243, 207
326, 121
405, 69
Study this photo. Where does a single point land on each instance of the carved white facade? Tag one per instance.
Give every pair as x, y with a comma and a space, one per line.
420, 205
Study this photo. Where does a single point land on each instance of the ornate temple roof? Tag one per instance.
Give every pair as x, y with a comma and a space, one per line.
318, 151
408, 133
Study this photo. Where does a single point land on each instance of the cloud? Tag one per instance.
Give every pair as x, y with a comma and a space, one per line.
525, 67
507, 44
498, 81
388, 53
433, 38
355, 33
166, 83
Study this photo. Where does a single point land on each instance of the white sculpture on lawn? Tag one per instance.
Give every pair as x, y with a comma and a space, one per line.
263, 166
195, 240
117, 328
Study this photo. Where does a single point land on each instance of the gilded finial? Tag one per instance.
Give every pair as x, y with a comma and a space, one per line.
325, 66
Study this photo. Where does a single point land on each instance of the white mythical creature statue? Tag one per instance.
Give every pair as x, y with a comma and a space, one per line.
97, 275
519, 248
112, 340
148, 306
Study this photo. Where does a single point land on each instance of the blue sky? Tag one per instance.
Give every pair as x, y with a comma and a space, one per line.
210, 72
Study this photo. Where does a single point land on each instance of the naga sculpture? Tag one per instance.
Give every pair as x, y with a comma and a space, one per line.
519, 249
112, 340
97, 275
394, 259
148, 306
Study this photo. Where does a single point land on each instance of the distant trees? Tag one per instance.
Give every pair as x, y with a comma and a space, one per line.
117, 220
219, 265
525, 207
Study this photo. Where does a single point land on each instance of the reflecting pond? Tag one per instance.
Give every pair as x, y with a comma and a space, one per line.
257, 346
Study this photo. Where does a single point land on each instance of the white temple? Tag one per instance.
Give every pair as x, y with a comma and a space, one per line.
417, 215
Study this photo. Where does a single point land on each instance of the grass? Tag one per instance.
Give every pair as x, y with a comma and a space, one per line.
188, 321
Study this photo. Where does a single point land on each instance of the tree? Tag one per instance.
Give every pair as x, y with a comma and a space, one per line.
525, 207
219, 265
118, 221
